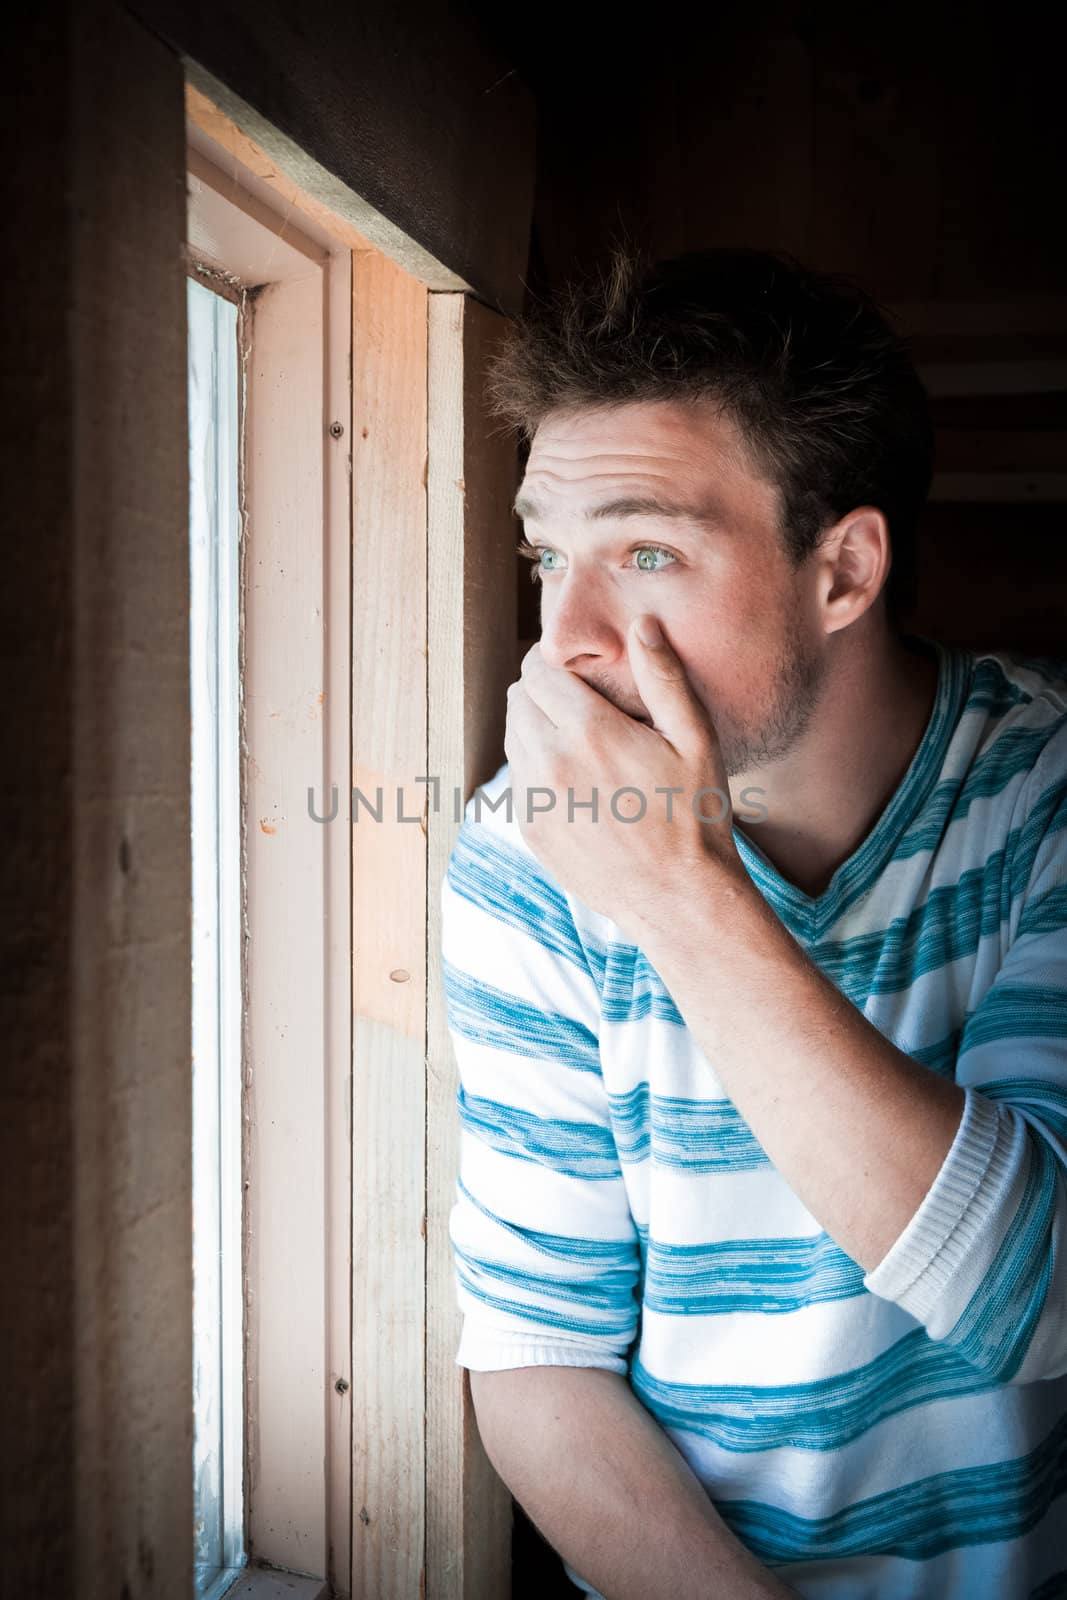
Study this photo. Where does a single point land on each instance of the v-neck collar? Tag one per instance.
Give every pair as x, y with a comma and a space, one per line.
809, 916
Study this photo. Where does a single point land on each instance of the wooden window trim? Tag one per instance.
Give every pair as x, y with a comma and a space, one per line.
417, 645
296, 293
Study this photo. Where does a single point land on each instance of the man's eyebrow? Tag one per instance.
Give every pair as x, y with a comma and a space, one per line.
627, 506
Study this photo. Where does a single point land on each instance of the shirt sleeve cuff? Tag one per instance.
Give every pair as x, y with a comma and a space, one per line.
498, 1352
948, 1226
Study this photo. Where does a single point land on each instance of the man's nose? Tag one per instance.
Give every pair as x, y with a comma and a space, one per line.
578, 629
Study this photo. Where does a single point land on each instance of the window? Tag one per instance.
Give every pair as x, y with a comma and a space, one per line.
269, 350
363, 554
214, 521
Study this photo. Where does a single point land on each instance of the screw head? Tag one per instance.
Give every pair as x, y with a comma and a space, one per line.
337, 429
341, 1386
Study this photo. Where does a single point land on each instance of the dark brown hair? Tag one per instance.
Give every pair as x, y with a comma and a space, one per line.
806, 364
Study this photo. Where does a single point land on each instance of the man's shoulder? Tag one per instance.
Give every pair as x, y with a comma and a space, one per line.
1012, 684
491, 856
491, 822
501, 906
1015, 714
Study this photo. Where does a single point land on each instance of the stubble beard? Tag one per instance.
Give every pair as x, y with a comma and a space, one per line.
797, 677
798, 682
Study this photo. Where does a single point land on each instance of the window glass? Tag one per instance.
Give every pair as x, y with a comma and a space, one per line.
214, 443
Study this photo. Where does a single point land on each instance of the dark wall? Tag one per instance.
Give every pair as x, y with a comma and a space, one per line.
920, 149
407, 104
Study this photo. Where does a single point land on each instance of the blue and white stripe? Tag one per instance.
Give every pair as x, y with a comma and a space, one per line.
899, 1433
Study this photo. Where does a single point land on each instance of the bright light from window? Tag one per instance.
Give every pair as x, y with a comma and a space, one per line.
215, 704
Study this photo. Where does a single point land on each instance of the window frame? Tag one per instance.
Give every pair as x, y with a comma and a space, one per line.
295, 293
422, 585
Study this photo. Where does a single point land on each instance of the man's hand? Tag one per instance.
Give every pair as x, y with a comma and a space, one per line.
857, 1128
620, 812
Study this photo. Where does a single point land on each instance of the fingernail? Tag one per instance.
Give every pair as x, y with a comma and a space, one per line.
649, 632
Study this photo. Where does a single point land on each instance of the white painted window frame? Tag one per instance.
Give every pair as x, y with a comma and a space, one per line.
294, 283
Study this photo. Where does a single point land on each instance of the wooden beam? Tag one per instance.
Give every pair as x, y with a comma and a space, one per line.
389, 752
471, 643
296, 1242
273, 250
218, 139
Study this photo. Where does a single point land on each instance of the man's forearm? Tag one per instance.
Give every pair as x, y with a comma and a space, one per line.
857, 1129
597, 1475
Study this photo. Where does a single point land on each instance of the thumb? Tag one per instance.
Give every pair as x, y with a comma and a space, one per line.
662, 683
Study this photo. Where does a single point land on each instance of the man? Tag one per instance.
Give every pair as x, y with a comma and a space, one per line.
759, 996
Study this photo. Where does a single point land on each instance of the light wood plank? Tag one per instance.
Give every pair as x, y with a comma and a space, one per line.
471, 643
336, 765
388, 928
285, 1034
222, 138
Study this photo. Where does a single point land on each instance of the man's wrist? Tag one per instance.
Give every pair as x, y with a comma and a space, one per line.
697, 914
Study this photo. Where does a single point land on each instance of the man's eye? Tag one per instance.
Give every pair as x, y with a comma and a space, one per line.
652, 550
534, 552
647, 558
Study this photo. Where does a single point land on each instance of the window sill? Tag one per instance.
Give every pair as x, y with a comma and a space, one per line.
262, 1583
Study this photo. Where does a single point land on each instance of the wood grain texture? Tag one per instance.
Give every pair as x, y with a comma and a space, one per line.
285, 1045
389, 317
250, 157
337, 953
471, 617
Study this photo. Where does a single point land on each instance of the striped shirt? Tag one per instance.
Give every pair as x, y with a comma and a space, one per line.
900, 1433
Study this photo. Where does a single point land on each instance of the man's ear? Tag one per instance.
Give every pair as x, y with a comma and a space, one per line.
853, 559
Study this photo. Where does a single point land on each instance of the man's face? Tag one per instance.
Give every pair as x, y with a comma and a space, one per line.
713, 569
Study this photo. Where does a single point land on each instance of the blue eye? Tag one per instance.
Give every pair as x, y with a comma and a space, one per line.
653, 550
544, 559
534, 553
